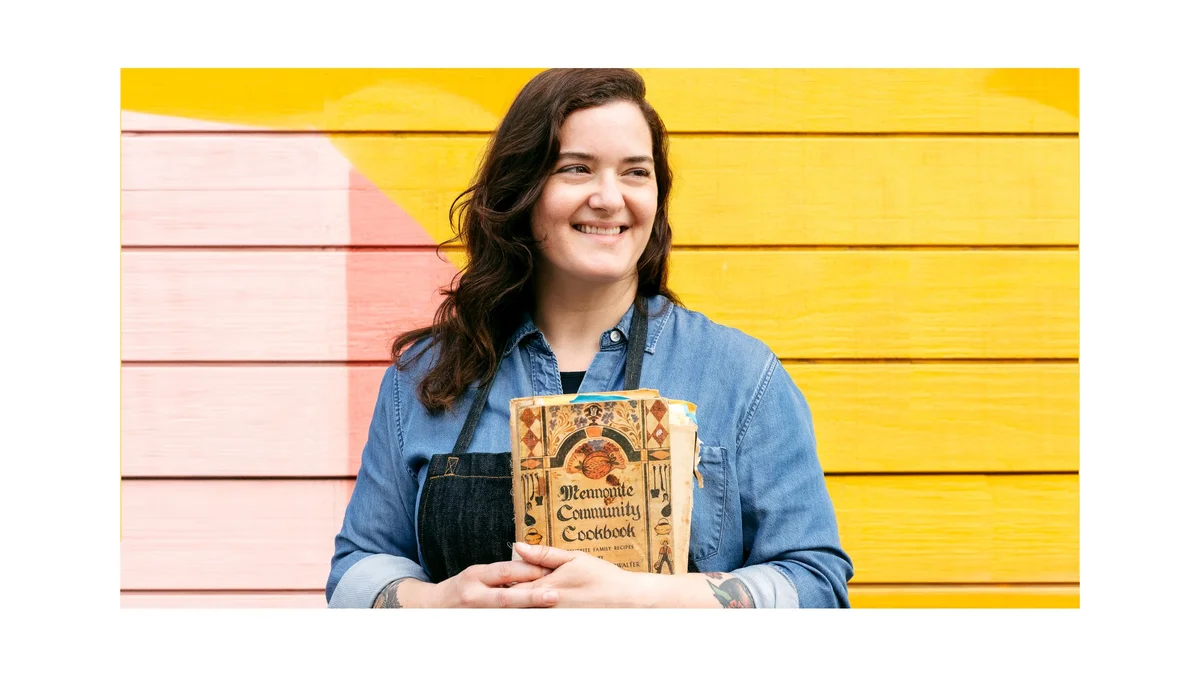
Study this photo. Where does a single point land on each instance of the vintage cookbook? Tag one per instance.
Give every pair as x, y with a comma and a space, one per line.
609, 474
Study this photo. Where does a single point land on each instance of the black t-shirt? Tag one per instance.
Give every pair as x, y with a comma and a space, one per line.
571, 381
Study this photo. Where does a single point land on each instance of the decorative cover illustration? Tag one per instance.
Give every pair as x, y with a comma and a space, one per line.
594, 473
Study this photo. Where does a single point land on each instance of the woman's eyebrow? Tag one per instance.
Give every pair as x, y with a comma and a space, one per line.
588, 157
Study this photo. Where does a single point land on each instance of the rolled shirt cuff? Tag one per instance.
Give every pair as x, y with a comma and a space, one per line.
769, 587
363, 581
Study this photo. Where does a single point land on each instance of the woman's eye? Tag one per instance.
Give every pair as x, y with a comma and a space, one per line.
573, 169
644, 173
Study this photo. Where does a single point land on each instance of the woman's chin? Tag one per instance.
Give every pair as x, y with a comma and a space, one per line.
598, 275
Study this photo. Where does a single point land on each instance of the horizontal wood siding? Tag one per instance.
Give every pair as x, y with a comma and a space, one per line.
729, 190
737, 100
905, 240
311, 420
963, 596
327, 305
278, 533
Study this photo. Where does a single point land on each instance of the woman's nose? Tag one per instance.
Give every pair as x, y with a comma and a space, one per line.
607, 196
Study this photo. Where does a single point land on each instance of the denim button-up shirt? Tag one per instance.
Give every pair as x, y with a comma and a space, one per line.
764, 513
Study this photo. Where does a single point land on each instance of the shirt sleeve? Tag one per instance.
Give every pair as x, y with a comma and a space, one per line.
377, 543
789, 525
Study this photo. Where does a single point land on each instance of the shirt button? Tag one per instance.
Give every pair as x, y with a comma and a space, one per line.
615, 336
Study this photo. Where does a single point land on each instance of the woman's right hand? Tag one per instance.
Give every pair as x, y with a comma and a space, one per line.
488, 586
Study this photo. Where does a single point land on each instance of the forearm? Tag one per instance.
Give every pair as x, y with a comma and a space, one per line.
694, 590
408, 592
361, 584
377, 542
790, 542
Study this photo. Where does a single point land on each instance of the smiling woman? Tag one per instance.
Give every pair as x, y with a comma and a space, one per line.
566, 236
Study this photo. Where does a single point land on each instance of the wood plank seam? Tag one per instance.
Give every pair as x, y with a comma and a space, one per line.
418, 133
741, 248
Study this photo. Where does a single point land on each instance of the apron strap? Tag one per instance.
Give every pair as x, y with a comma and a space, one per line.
468, 429
636, 348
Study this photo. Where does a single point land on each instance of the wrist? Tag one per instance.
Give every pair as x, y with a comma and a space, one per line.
420, 594
404, 593
652, 590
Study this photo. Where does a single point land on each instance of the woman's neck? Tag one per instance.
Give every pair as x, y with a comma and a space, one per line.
573, 317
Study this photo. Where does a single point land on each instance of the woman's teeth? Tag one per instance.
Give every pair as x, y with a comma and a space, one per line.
592, 230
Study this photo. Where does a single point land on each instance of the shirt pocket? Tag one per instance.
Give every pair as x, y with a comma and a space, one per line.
708, 504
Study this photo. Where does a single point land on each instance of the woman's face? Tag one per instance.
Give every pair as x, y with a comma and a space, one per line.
594, 216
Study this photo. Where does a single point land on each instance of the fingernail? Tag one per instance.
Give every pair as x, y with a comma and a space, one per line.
550, 597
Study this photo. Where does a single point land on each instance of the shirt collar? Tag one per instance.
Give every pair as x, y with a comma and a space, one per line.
523, 331
657, 320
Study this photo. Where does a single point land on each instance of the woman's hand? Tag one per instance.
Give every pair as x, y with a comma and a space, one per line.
584, 581
491, 585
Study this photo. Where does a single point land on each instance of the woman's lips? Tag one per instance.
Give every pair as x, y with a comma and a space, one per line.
602, 231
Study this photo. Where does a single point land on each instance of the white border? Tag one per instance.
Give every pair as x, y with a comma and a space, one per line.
1138, 344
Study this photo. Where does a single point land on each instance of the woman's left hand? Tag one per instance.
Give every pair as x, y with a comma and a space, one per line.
584, 581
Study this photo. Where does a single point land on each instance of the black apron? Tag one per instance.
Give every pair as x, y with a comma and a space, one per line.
466, 512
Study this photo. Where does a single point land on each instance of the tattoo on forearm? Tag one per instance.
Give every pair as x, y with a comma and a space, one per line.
732, 593
387, 597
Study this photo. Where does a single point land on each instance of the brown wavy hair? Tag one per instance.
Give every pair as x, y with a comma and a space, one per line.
486, 301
